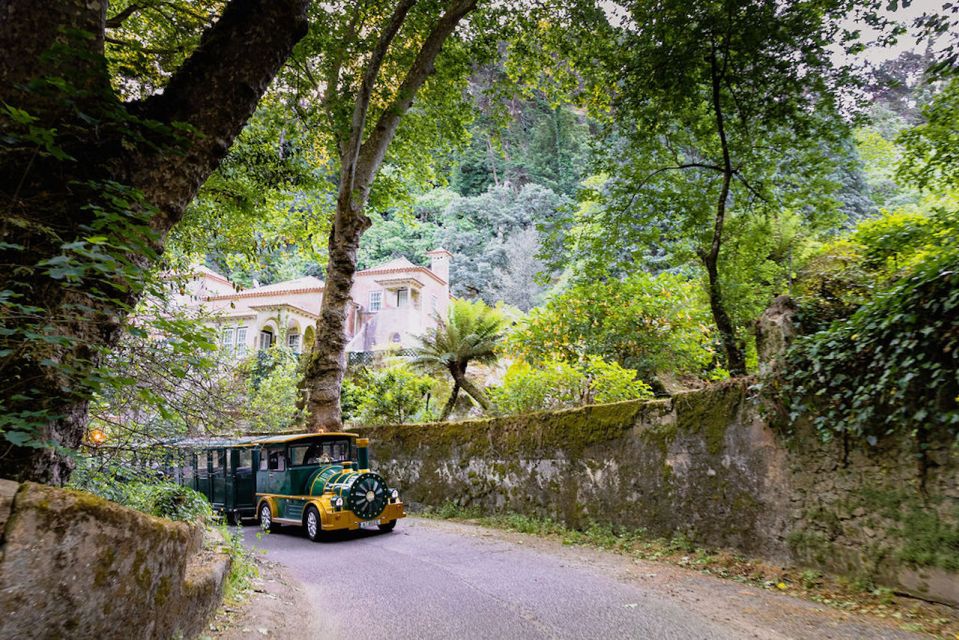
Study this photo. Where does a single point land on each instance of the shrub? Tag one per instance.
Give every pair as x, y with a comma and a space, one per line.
139, 491
892, 366
557, 384
391, 395
648, 323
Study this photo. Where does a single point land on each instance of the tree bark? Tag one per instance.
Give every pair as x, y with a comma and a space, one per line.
125, 175
459, 376
359, 162
735, 356
451, 402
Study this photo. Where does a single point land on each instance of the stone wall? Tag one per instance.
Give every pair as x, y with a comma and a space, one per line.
705, 464
75, 566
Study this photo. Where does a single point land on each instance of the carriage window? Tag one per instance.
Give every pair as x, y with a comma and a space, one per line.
263, 459
277, 460
216, 460
201, 468
304, 454
244, 460
320, 453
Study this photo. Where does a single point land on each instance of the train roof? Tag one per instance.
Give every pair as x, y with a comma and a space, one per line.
255, 440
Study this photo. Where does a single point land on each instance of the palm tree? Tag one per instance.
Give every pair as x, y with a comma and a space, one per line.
471, 334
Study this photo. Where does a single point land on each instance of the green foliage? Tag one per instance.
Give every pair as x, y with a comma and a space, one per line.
273, 378
556, 385
931, 158
243, 568
845, 273
138, 491
648, 323
392, 395
831, 285
892, 366
471, 333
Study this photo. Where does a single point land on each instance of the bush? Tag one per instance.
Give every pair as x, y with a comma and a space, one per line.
648, 323
393, 395
156, 497
892, 366
557, 384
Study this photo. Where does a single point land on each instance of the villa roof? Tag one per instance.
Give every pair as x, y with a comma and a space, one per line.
306, 284
399, 265
210, 273
286, 305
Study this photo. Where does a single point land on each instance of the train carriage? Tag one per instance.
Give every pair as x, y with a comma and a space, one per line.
319, 480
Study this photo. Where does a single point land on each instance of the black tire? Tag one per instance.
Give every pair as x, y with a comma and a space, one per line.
266, 517
388, 526
313, 524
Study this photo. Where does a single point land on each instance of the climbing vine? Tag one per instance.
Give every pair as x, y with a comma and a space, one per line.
892, 366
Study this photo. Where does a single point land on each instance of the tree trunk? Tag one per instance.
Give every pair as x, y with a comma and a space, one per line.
359, 163
327, 362
448, 407
85, 217
735, 356
460, 378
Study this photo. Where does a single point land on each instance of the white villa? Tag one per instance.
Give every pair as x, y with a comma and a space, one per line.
392, 304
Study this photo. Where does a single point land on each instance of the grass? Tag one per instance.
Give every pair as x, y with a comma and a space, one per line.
243, 569
854, 595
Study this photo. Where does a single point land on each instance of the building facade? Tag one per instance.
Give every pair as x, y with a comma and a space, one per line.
392, 304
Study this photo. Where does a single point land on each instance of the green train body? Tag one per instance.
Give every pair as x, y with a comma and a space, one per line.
321, 481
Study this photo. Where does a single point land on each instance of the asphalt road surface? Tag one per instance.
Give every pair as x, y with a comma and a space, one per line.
433, 579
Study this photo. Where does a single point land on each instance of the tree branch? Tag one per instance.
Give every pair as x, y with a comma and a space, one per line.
214, 92
120, 18
374, 149
351, 151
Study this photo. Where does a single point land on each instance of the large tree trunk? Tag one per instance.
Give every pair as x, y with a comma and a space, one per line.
359, 162
86, 217
327, 362
735, 356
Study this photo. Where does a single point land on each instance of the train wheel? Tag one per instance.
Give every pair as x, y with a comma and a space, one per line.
311, 521
266, 518
388, 526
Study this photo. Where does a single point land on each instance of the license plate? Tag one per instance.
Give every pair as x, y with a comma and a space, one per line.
369, 524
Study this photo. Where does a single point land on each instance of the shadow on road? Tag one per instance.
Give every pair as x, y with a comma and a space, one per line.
330, 537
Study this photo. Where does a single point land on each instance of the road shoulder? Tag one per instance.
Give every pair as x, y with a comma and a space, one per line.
275, 606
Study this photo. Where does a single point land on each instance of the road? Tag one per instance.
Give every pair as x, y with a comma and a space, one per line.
433, 579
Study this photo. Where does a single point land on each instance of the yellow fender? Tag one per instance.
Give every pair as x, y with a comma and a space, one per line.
270, 501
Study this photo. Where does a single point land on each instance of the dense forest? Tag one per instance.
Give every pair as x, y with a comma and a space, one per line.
624, 192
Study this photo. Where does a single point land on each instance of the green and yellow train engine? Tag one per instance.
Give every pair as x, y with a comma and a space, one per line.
323, 481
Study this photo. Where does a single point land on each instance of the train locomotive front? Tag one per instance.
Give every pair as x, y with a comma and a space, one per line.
323, 482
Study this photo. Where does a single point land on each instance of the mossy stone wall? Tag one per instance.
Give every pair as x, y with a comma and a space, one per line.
705, 464
73, 565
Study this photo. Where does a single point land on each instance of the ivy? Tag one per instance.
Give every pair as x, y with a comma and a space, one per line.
891, 367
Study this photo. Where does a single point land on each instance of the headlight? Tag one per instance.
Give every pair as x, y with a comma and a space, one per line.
338, 502
394, 494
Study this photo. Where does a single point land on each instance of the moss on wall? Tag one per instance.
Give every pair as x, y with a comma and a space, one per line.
710, 412
703, 464
71, 561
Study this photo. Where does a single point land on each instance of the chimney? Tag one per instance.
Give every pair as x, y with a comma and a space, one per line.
440, 263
